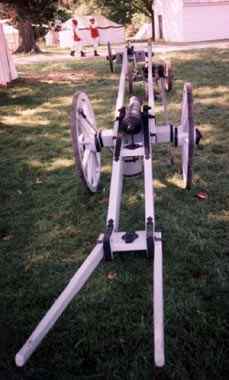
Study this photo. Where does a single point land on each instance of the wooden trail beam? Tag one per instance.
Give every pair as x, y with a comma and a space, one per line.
50, 318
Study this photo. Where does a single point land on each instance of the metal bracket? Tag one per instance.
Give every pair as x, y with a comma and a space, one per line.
106, 241
129, 237
145, 120
150, 237
118, 142
176, 137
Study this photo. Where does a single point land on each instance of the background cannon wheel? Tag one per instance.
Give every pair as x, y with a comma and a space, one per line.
146, 92
187, 125
83, 132
110, 57
168, 77
130, 78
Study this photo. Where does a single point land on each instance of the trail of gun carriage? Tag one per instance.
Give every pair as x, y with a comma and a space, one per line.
114, 188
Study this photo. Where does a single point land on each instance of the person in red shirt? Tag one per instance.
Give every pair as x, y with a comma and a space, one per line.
94, 31
77, 40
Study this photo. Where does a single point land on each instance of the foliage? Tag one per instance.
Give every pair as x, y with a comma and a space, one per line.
119, 11
35, 11
62, 14
49, 224
42, 11
123, 11
143, 6
87, 7
30, 16
139, 19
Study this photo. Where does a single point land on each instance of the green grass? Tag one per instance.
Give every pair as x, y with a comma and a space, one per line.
49, 224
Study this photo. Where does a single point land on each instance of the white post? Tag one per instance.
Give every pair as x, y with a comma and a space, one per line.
121, 90
122, 82
151, 101
74, 286
115, 196
149, 193
117, 166
159, 355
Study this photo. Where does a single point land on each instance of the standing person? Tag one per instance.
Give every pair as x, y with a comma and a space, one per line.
77, 41
51, 35
56, 41
94, 31
7, 67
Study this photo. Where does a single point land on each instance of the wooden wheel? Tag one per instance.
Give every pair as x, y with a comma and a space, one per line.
83, 132
110, 57
187, 126
168, 77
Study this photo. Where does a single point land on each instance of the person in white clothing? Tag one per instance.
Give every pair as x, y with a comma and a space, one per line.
77, 45
94, 32
7, 67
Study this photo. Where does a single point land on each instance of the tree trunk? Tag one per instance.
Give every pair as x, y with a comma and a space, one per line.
27, 42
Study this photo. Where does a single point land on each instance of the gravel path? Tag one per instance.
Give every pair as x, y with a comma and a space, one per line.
48, 56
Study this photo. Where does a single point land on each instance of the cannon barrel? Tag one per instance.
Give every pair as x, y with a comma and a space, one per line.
131, 123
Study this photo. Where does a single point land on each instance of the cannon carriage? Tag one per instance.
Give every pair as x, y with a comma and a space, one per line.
132, 140
138, 68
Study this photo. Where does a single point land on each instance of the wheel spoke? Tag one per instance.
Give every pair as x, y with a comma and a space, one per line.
85, 129
184, 117
93, 179
85, 158
90, 168
81, 141
88, 116
185, 159
84, 117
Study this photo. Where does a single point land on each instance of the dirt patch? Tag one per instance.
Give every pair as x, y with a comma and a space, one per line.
66, 76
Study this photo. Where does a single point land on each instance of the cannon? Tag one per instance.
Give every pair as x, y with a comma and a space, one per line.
138, 67
132, 139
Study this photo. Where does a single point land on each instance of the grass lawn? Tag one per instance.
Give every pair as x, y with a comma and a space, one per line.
49, 224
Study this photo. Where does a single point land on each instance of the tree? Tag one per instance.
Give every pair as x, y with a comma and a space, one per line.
29, 16
122, 11
146, 7
82, 7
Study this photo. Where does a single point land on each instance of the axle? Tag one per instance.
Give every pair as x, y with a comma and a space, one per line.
164, 134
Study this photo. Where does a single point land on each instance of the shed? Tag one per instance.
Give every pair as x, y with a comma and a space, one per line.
191, 20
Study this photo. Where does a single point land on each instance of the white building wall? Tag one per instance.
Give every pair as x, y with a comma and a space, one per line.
206, 22
172, 16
